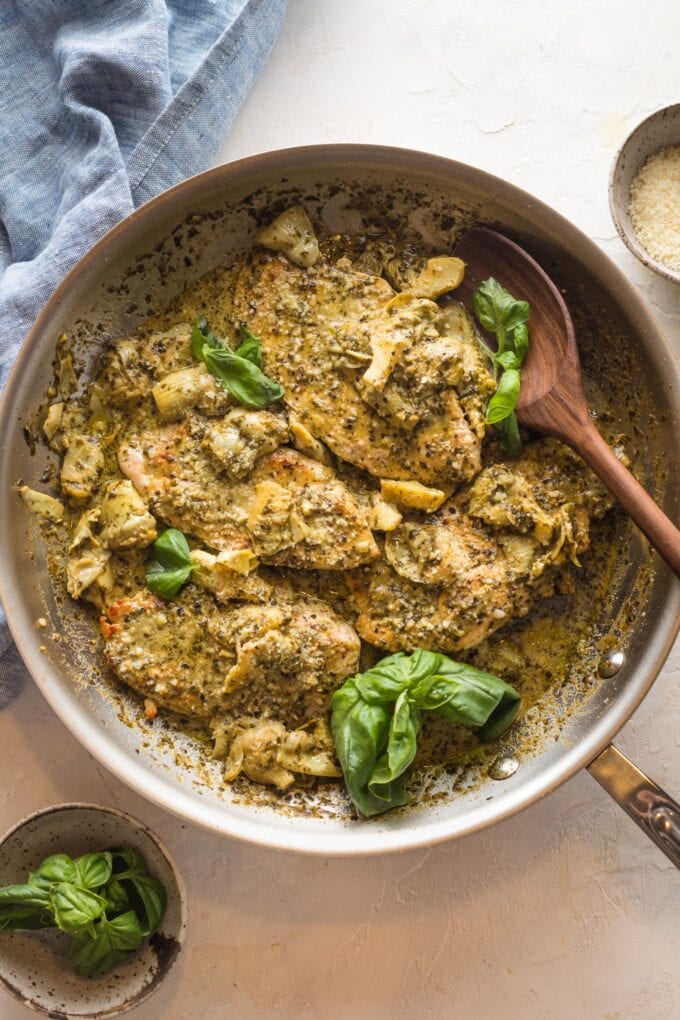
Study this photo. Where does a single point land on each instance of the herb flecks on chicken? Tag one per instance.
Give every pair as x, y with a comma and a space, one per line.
447, 581
282, 657
391, 383
289, 509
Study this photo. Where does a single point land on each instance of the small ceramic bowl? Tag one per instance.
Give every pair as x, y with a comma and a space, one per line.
33, 964
659, 131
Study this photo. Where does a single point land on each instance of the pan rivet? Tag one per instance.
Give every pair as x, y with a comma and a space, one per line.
503, 768
610, 664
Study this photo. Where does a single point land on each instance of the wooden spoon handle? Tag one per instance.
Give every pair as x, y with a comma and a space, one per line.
628, 492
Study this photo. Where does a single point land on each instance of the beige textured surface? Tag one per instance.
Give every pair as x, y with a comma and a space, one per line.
566, 911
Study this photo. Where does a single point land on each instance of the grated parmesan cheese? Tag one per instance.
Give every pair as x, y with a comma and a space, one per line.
655, 206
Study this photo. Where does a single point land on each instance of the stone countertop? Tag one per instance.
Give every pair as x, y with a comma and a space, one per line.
566, 911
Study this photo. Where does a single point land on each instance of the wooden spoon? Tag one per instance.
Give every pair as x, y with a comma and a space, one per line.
552, 400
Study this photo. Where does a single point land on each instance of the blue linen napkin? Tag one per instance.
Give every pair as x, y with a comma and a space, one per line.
105, 103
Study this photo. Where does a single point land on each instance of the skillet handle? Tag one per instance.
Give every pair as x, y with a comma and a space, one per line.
646, 803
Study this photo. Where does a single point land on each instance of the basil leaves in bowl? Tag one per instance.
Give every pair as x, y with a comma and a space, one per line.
92, 911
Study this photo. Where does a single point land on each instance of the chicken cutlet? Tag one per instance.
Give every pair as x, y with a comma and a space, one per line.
450, 579
290, 509
281, 658
390, 382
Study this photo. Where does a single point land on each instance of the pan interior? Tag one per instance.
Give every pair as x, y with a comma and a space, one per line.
161, 252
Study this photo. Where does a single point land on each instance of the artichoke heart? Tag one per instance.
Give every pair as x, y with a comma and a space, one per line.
269, 753
81, 468
52, 423
178, 392
426, 553
306, 443
274, 522
68, 380
87, 557
309, 750
439, 276
293, 235
384, 515
230, 575
242, 437
125, 521
412, 494
405, 318
42, 504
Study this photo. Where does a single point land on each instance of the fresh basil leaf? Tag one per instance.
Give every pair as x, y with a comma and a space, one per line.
520, 340
75, 909
516, 314
502, 717
510, 437
171, 549
171, 567
500, 313
152, 901
376, 745
57, 868
250, 347
20, 917
239, 372
90, 956
39, 881
145, 893
125, 931
202, 337
485, 304
26, 895
497, 310
504, 400
93, 870
166, 583
508, 359
385, 681
361, 732
111, 943
117, 900
127, 859
462, 694
402, 744
242, 379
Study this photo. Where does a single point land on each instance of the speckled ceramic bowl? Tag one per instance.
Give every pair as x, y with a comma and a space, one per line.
33, 967
658, 131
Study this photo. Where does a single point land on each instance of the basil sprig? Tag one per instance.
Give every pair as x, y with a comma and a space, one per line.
111, 944
171, 566
376, 719
108, 902
502, 314
239, 372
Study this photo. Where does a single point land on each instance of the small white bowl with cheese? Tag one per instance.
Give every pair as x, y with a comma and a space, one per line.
644, 192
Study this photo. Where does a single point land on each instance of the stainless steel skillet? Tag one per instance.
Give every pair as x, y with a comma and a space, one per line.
186, 231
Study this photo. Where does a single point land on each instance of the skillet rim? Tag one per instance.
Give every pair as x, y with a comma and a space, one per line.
356, 838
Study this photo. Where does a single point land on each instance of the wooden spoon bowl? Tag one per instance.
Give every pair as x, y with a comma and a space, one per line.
552, 400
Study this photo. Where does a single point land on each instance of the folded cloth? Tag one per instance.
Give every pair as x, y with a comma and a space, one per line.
104, 103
